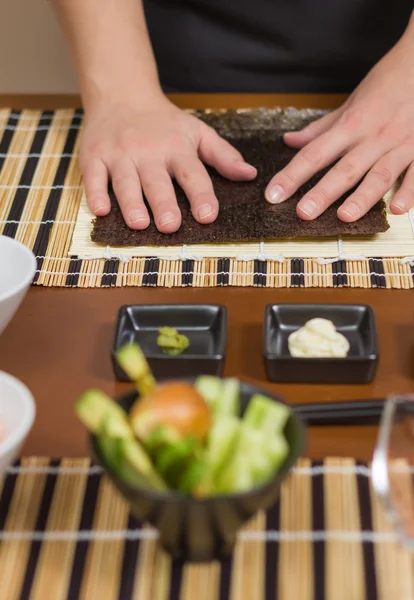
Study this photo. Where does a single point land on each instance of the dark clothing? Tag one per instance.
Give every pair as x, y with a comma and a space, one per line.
271, 45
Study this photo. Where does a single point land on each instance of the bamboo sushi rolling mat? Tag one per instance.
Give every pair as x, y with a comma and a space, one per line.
42, 205
65, 534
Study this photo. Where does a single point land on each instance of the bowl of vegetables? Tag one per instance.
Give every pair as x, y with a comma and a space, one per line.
195, 458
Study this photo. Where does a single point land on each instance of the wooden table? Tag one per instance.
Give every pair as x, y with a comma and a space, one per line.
59, 342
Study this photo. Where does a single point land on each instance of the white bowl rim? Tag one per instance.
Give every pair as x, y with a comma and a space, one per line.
16, 436
28, 279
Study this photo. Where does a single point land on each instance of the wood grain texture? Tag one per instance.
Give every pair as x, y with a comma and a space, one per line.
50, 101
60, 340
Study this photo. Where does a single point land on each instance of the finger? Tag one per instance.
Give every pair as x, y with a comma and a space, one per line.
307, 162
159, 191
196, 183
344, 175
95, 180
298, 139
221, 155
127, 188
404, 198
376, 184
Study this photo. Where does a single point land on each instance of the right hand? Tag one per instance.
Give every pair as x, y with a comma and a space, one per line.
141, 150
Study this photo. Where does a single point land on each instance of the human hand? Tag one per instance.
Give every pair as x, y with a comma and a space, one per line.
141, 150
372, 138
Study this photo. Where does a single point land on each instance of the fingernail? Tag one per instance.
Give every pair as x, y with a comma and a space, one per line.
167, 218
309, 207
352, 210
400, 205
205, 210
98, 208
137, 216
275, 195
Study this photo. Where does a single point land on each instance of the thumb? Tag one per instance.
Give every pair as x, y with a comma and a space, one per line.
221, 155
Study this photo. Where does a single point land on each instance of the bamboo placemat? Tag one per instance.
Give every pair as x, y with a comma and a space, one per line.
41, 193
65, 534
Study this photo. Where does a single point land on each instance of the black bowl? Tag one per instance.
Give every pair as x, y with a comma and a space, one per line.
204, 530
204, 324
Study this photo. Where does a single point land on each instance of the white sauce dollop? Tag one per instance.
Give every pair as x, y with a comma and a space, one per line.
318, 338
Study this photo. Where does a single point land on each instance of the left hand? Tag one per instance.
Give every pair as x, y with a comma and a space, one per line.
372, 135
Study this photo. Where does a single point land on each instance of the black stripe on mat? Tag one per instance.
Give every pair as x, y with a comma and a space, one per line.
318, 524
260, 270
272, 553
7, 495
187, 273
151, 272
344, 271
339, 273
226, 571
52, 204
41, 523
86, 523
373, 272
75, 266
365, 515
412, 271
26, 178
219, 281
177, 567
129, 563
297, 267
7, 138
335, 269
110, 273
226, 271
376, 267
381, 273
223, 271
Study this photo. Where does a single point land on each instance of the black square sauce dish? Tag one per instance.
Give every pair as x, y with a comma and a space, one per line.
356, 322
205, 325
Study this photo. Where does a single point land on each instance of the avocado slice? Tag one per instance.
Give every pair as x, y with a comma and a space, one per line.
173, 459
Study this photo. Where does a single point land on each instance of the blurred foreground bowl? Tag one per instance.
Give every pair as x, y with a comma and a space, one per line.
17, 414
17, 269
197, 530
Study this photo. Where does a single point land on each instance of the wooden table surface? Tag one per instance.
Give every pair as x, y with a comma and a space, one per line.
59, 342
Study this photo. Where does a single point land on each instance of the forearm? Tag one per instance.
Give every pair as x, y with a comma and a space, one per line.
111, 50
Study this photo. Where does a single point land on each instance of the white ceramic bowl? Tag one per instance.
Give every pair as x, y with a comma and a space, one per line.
17, 413
17, 269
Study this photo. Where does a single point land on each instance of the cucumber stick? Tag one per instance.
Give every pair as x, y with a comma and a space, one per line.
222, 440
267, 415
94, 408
228, 402
209, 388
132, 360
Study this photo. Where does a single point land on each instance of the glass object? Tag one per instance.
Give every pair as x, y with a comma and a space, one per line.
392, 466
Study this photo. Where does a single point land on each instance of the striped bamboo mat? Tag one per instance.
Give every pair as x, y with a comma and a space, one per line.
65, 534
40, 194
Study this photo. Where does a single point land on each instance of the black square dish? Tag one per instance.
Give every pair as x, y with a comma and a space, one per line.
355, 321
205, 325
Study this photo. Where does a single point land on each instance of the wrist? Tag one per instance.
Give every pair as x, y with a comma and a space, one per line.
98, 96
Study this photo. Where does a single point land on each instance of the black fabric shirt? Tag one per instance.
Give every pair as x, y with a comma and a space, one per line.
271, 45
